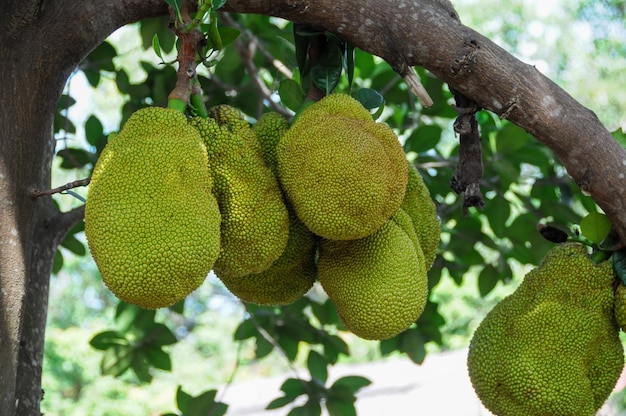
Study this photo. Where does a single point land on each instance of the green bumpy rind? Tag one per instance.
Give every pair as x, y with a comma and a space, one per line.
378, 283
551, 347
255, 221
294, 272
151, 221
344, 174
419, 206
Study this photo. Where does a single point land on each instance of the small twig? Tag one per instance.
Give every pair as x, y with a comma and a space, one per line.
36, 193
247, 56
415, 85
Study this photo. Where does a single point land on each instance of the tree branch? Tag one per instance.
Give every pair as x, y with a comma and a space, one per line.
428, 33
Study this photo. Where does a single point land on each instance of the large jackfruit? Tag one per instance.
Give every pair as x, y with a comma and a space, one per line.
551, 347
344, 174
151, 221
378, 283
294, 272
420, 207
255, 222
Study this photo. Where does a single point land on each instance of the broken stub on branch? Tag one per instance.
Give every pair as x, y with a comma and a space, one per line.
469, 170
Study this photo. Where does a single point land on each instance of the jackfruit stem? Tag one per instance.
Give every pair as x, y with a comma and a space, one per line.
197, 103
598, 256
177, 104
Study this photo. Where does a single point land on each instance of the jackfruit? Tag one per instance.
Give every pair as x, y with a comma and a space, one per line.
344, 174
619, 308
294, 272
420, 207
378, 283
255, 222
151, 221
551, 347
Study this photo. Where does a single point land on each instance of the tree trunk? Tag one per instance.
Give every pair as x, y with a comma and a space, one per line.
42, 42
39, 47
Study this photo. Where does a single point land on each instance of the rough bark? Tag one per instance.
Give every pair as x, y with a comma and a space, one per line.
42, 42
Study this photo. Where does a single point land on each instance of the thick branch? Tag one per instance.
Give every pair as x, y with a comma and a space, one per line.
427, 33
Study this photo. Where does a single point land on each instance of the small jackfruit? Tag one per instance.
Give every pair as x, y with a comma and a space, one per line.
420, 207
551, 347
151, 221
255, 222
294, 272
619, 308
378, 283
344, 174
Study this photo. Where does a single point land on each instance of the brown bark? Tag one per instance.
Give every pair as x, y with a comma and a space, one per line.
41, 42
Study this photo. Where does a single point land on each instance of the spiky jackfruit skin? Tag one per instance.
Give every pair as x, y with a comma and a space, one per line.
151, 221
344, 174
551, 347
378, 283
255, 222
295, 271
619, 308
419, 206
288, 279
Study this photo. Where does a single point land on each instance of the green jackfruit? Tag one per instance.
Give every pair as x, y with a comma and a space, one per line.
151, 221
551, 347
344, 174
294, 272
255, 222
420, 207
620, 306
378, 283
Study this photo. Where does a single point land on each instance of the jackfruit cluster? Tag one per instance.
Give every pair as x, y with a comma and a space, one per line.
551, 347
270, 208
151, 220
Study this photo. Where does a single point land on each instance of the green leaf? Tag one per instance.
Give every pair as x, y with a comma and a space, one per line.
178, 307
141, 368
317, 366
102, 57
595, 226
290, 94
423, 138
217, 4
339, 407
58, 262
205, 404
158, 358
228, 35
310, 408
280, 402
326, 73
487, 280
74, 245
74, 158
176, 5
245, 330
369, 98
349, 63
301, 42
293, 387
116, 360
93, 130
619, 265
620, 136
263, 347
352, 383
412, 344
156, 46
161, 335
182, 400
107, 339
